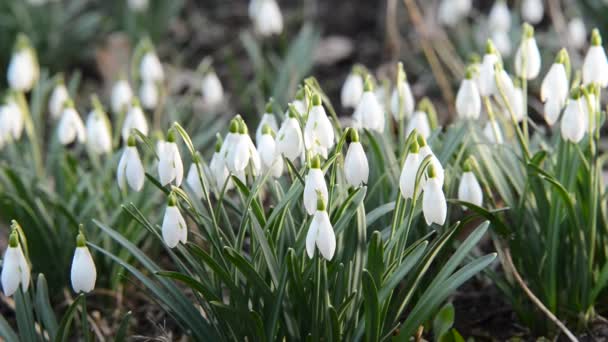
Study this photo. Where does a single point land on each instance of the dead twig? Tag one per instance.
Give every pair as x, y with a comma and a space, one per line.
534, 299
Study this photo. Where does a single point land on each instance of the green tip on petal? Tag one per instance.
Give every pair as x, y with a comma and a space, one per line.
468, 165
243, 127
80, 239
135, 102
596, 38
68, 103
575, 93
13, 239
470, 72
268, 108
354, 135
369, 84
432, 172
414, 147
266, 129
527, 30
22, 42
320, 201
171, 135
234, 126
218, 143
316, 100
315, 162
562, 56
517, 83
292, 112
60, 79
172, 200
474, 58
300, 94
592, 88
490, 48
131, 141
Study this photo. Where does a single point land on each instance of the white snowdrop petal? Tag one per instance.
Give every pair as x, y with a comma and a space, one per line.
267, 18
267, 119
311, 237
493, 132
595, 66
22, 71
326, 238
532, 11
135, 120
469, 189
577, 32
173, 224
121, 97
212, 89
193, 181
434, 206
369, 113
83, 273
356, 167
10, 276
134, 170
500, 17
407, 99
351, 91
57, 100
290, 142
468, 101
148, 94
420, 122
407, 180
528, 57
121, 177
315, 181
150, 68
573, 125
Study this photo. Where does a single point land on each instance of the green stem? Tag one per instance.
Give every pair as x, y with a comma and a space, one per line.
30, 130
488, 105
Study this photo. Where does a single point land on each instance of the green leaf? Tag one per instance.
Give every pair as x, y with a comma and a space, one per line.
43, 307
443, 322
371, 308
66, 321
121, 333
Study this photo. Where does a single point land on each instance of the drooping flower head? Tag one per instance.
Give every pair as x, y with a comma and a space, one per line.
70, 126
434, 205
83, 274
468, 101
268, 118
407, 180
321, 232
266, 17
573, 121
130, 169
211, 88
99, 135
595, 65
369, 113
487, 83
402, 100
290, 142
23, 69
319, 132
174, 229
135, 119
352, 89
527, 57
15, 267
314, 184
192, 179
170, 165
356, 167
555, 86
58, 97
469, 189
271, 159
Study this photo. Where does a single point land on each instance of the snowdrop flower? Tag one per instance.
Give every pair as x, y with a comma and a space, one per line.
369, 113
554, 88
212, 90
174, 227
301, 103
290, 142
122, 96
500, 17
502, 41
23, 69
352, 90
150, 68
15, 268
356, 167
193, 180
577, 32
266, 16
321, 233
493, 132
314, 186
135, 120
11, 120
269, 119
58, 97
532, 11
513, 97
138, 5
407, 180
83, 274
218, 169
148, 93
98, 130
402, 100
170, 166
319, 132
588, 103
419, 122
468, 101
70, 126
130, 169
527, 57
243, 153
268, 151
469, 189
434, 206
573, 122
424, 151
452, 11
595, 65
487, 83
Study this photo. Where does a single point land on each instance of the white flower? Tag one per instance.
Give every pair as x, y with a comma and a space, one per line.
369, 113
595, 65
434, 206
502, 41
532, 11
290, 142
452, 11
15, 268
527, 57
241, 151
469, 189
150, 69
269, 119
321, 233
130, 169
266, 17
487, 83
71, 127
23, 69
573, 122
98, 132
212, 89
589, 112
219, 171
122, 95
193, 180
420, 122
407, 180
425, 150
148, 93
135, 120
268, 152
314, 184
318, 132
352, 90
516, 99
577, 32
356, 167
58, 98
11, 121
554, 90
406, 97
468, 101
170, 166
500, 17
138, 5
83, 274
493, 132
174, 227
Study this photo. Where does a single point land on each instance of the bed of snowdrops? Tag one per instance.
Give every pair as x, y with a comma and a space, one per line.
315, 226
